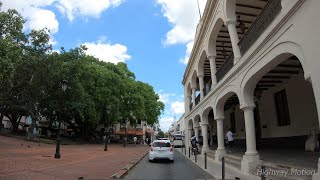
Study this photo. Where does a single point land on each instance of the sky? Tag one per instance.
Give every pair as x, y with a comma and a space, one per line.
154, 37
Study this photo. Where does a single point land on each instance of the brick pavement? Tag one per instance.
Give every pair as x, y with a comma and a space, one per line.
20, 159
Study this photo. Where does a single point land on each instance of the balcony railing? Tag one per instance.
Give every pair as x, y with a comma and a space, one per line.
263, 20
225, 68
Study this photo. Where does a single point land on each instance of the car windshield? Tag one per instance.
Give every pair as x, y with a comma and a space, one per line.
161, 144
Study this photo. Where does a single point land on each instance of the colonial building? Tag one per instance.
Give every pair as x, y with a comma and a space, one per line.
141, 131
254, 69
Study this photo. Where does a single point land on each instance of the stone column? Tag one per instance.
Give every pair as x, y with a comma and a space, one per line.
205, 147
213, 68
189, 99
251, 158
231, 24
316, 90
196, 132
194, 96
189, 138
221, 151
201, 86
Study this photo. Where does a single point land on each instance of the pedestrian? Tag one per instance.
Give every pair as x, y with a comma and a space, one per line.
135, 140
27, 133
230, 139
147, 140
124, 141
194, 145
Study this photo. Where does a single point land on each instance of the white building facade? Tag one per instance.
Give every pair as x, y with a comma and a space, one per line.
255, 69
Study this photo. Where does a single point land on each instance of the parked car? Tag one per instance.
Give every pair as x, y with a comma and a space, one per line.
161, 149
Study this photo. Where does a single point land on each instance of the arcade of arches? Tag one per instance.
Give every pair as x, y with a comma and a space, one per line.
265, 90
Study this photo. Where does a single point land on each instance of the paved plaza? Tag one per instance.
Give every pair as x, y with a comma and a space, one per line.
22, 159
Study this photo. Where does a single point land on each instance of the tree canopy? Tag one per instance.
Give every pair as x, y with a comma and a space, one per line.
98, 92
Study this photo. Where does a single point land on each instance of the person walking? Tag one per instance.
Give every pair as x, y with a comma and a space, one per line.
230, 139
135, 140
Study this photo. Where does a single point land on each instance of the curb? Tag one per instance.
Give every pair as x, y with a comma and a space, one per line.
129, 166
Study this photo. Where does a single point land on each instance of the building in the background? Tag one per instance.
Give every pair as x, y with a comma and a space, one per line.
254, 70
142, 131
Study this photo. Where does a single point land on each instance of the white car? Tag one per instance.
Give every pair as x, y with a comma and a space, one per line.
161, 149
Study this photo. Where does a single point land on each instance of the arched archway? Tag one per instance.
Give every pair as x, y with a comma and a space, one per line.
210, 126
205, 72
229, 117
196, 125
285, 105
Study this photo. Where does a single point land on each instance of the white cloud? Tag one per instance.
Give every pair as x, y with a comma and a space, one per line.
33, 10
165, 123
38, 15
165, 97
185, 60
41, 18
85, 8
107, 52
183, 16
174, 107
177, 108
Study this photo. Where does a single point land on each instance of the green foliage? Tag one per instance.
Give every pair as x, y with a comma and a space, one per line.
31, 74
160, 134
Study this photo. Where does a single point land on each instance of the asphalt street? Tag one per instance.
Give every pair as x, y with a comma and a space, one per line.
182, 168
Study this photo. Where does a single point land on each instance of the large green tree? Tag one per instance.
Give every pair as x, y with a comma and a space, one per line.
99, 92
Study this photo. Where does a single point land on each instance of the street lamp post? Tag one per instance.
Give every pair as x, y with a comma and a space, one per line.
64, 86
108, 109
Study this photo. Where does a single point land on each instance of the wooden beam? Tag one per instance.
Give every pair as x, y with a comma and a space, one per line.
223, 41
265, 85
284, 72
290, 65
221, 36
262, 89
270, 81
248, 6
246, 14
277, 77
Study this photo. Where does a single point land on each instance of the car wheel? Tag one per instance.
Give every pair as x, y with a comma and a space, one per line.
150, 160
172, 161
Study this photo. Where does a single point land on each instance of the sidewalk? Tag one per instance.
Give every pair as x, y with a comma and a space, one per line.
22, 159
214, 168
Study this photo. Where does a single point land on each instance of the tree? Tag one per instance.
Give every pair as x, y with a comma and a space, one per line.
30, 83
161, 134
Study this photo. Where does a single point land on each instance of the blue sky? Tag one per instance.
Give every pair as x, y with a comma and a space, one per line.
154, 37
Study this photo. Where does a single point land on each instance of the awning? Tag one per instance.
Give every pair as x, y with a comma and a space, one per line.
137, 132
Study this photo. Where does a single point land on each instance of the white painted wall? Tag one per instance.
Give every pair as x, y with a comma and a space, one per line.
302, 110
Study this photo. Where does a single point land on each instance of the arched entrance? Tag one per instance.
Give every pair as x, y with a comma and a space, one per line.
289, 125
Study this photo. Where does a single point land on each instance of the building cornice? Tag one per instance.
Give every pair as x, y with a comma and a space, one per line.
203, 23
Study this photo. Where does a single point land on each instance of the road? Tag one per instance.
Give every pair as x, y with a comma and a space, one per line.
182, 168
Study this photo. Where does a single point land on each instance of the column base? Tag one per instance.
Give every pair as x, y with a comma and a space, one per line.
316, 176
250, 162
219, 153
204, 150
